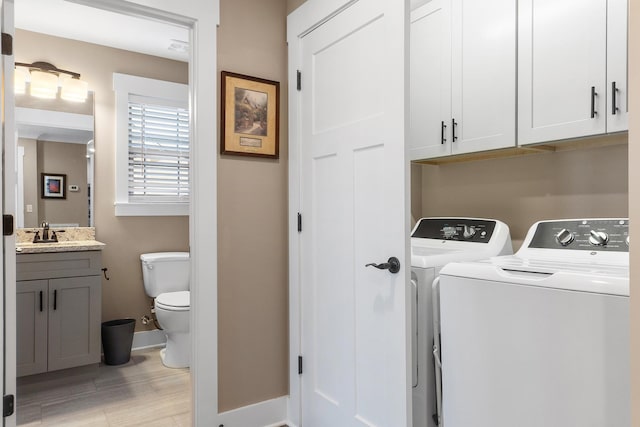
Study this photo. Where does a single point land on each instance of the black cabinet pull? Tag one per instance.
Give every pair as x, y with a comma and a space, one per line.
55, 299
454, 138
593, 102
443, 129
41, 307
614, 90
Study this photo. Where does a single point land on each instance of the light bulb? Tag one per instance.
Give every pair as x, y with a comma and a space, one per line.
44, 85
75, 90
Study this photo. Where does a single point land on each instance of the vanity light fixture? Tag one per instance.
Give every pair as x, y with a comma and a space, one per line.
45, 80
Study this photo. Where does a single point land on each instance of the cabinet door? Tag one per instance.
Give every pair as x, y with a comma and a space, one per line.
562, 48
430, 76
74, 322
483, 74
617, 50
31, 327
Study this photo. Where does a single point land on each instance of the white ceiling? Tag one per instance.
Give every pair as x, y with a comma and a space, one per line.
74, 21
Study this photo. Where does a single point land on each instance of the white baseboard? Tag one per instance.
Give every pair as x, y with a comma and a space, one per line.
148, 339
270, 413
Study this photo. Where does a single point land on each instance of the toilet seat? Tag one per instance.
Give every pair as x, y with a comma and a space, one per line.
174, 301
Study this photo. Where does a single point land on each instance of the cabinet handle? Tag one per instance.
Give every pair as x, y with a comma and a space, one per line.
593, 102
55, 299
41, 307
443, 130
614, 91
454, 138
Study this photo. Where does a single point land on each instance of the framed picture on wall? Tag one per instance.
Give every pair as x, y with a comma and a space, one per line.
53, 186
250, 116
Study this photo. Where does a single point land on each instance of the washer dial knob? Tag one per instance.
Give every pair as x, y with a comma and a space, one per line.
565, 237
469, 231
598, 238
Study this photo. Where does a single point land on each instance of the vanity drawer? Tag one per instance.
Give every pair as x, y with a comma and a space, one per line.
58, 265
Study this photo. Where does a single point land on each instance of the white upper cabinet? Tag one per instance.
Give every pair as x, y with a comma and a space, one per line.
617, 53
567, 65
463, 77
430, 69
483, 70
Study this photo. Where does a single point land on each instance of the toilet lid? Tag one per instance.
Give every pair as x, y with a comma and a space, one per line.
174, 300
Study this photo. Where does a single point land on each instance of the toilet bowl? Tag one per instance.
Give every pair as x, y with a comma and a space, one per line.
166, 279
173, 312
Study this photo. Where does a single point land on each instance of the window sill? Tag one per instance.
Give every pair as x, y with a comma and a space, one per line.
152, 209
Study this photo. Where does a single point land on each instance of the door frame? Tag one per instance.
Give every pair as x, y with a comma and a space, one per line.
201, 18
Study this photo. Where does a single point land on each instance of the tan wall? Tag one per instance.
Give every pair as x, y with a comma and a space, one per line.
634, 203
126, 237
587, 182
293, 5
30, 173
70, 160
252, 222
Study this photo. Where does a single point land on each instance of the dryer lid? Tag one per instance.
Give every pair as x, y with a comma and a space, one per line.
179, 299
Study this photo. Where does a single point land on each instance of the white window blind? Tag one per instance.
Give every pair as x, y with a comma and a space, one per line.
158, 146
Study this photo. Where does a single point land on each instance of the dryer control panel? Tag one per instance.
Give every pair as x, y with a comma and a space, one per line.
609, 235
460, 229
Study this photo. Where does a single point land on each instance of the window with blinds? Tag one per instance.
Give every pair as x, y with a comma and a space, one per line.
158, 146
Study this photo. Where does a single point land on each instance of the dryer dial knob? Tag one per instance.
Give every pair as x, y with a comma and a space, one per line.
469, 231
565, 237
598, 238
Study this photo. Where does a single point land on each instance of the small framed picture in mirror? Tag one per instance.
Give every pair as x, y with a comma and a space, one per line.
53, 186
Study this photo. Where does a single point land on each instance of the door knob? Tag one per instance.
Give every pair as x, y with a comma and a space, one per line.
393, 265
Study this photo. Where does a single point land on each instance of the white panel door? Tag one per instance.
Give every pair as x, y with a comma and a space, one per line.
355, 340
483, 75
562, 52
430, 75
617, 53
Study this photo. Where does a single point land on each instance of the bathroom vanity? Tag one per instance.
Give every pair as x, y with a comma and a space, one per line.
58, 305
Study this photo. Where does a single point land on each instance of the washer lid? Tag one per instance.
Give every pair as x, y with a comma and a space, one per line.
174, 299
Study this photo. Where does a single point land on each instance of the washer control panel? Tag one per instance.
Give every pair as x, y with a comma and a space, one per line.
467, 230
610, 235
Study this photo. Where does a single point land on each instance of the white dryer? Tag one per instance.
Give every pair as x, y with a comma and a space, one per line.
540, 338
434, 243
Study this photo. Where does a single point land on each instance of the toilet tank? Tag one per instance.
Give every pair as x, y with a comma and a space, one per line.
165, 272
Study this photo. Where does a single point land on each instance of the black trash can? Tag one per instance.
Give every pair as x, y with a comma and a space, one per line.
117, 337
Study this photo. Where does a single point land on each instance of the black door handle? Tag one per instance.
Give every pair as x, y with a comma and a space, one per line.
55, 299
393, 265
41, 308
443, 129
593, 102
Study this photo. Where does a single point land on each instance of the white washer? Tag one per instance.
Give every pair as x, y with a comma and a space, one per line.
540, 338
434, 243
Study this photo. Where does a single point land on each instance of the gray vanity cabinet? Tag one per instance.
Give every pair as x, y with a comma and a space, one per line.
58, 310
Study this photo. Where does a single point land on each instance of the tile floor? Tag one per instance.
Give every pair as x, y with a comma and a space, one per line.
140, 393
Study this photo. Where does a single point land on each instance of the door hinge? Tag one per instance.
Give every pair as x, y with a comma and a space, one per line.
299, 365
7, 44
7, 225
8, 404
299, 80
299, 222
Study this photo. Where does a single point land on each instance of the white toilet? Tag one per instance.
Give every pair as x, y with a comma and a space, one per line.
166, 278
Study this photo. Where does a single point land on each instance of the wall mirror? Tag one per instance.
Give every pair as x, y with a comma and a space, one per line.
54, 139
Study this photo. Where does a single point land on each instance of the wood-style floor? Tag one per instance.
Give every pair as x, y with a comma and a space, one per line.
140, 393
